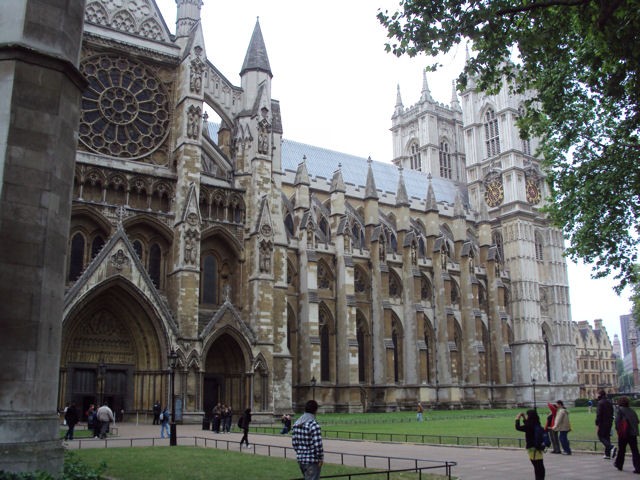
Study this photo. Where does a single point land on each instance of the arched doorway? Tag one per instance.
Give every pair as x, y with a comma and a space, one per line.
226, 379
113, 349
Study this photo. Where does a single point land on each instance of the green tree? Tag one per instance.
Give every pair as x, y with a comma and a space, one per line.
582, 59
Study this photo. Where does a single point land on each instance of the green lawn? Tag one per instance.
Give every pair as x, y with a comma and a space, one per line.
194, 463
446, 426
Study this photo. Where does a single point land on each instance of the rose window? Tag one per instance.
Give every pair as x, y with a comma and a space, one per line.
125, 109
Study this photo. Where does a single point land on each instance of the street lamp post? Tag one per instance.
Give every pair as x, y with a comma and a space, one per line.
533, 382
173, 363
313, 387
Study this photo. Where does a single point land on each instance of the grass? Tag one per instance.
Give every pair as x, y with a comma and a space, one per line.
194, 463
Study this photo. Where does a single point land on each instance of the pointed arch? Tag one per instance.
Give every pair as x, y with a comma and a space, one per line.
397, 349
363, 338
327, 331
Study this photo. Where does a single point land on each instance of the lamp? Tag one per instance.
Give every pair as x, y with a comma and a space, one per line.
313, 387
173, 363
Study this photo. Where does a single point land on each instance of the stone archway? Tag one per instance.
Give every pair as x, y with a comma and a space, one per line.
226, 379
115, 329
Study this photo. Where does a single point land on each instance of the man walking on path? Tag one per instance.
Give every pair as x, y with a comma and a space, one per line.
105, 416
307, 442
604, 420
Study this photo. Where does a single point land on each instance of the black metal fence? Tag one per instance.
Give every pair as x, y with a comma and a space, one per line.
381, 463
433, 439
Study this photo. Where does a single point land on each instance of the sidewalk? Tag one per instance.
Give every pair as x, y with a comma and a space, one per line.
472, 463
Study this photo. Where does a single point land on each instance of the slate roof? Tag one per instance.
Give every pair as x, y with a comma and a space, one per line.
322, 163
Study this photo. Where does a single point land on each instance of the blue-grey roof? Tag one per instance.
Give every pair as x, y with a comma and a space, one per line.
322, 162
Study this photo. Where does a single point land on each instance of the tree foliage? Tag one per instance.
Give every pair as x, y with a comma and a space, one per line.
582, 59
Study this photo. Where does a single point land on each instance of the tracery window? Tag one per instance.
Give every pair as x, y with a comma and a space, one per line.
414, 156
155, 264
76, 258
96, 245
497, 241
359, 281
491, 133
324, 278
539, 247
526, 144
125, 108
445, 161
209, 275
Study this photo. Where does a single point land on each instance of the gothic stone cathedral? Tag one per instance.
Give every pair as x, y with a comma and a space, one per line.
278, 271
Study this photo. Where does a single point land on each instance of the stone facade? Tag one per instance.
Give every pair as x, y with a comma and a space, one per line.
280, 271
596, 361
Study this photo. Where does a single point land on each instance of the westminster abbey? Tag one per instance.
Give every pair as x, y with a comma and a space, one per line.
278, 271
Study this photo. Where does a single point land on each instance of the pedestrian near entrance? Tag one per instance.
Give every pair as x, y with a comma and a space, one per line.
164, 422
71, 417
627, 428
562, 425
307, 442
604, 421
530, 427
156, 413
419, 410
243, 423
105, 417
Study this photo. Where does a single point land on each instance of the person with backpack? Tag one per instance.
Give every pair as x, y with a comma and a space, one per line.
164, 422
604, 421
534, 440
627, 428
243, 423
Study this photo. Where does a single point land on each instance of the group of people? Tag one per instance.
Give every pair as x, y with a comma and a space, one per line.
558, 426
98, 420
222, 415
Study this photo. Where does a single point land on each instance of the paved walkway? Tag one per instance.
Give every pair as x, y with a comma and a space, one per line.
472, 463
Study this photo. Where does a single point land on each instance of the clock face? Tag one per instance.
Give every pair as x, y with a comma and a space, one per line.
494, 193
533, 192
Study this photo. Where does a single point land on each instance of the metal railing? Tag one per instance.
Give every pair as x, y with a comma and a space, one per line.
386, 474
434, 439
380, 462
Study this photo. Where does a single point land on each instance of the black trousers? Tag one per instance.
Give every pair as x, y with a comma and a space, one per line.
632, 441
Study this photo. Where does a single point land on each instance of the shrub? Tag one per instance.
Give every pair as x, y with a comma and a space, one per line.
73, 469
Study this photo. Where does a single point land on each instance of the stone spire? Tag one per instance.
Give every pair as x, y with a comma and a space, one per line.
337, 182
302, 175
402, 199
187, 15
370, 189
399, 107
256, 57
432, 204
425, 96
458, 207
455, 103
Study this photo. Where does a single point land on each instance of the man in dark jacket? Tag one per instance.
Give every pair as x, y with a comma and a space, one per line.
604, 420
71, 417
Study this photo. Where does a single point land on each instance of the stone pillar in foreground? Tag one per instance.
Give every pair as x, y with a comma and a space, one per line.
40, 89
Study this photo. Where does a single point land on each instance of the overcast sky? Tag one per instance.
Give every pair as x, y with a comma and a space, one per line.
337, 89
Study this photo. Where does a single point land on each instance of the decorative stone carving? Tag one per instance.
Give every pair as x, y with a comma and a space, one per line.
196, 70
191, 238
119, 260
266, 248
193, 122
264, 133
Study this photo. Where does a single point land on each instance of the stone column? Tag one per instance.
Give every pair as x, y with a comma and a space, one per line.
40, 90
